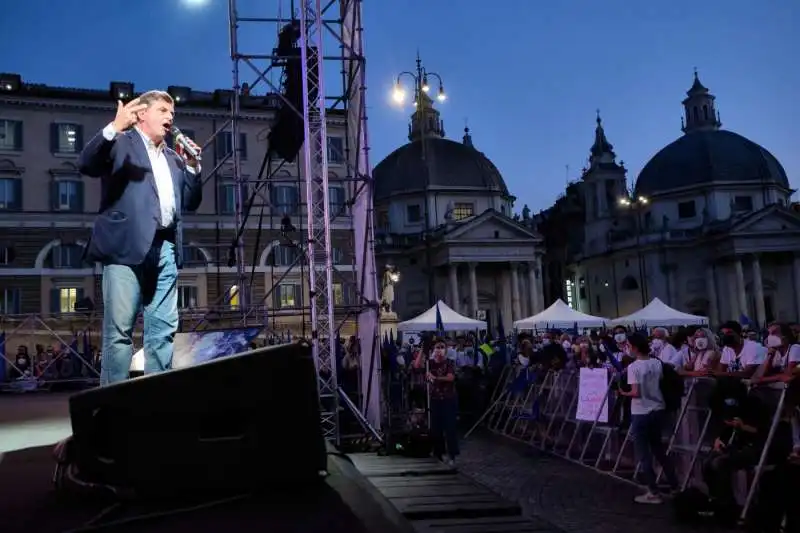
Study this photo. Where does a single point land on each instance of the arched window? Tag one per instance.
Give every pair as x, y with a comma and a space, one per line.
629, 283
705, 112
194, 257
696, 114
66, 256
282, 256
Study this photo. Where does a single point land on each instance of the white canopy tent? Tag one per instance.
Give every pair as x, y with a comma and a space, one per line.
657, 313
451, 320
560, 316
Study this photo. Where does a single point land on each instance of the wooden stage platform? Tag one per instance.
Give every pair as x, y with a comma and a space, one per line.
435, 498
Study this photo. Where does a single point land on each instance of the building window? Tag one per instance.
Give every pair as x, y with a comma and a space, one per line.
224, 146
383, 223
10, 301
337, 256
463, 210
63, 299
413, 214
287, 296
336, 201
187, 296
226, 198
687, 209
336, 150
6, 255
10, 194
65, 256
66, 138
232, 297
283, 256
338, 294
193, 257
742, 203
67, 195
11, 135
285, 199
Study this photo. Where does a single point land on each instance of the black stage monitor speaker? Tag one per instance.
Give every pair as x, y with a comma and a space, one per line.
240, 423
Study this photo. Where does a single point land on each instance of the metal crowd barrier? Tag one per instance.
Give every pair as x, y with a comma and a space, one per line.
543, 414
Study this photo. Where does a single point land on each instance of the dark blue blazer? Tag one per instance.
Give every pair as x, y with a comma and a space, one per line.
129, 207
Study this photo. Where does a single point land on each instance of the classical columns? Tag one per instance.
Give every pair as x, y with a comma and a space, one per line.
473, 289
516, 310
533, 282
455, 301
741, 297
711, 293
758, 288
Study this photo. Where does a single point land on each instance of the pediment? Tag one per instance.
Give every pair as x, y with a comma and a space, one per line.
774, 219
7, 166
67, 168
491, 226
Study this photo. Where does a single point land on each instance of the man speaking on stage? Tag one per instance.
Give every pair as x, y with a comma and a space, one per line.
145, 186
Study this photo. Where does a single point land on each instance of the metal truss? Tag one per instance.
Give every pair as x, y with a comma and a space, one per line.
321, 23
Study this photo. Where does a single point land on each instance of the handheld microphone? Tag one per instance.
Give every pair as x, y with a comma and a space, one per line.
181, 139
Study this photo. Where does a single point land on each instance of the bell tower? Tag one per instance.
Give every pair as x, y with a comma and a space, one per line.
700, 113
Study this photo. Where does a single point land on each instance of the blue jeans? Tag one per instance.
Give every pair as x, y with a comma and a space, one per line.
152, 287
648, 444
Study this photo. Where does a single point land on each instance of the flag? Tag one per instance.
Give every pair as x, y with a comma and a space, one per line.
439, 322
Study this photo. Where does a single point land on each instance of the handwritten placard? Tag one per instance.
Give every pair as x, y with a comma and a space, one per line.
592, 388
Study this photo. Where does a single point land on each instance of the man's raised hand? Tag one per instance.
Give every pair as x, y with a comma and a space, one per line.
126, 114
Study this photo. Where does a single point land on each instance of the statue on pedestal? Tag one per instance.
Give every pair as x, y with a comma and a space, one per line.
390, 278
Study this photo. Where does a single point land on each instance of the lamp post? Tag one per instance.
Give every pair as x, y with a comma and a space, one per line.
421, 88
637, 204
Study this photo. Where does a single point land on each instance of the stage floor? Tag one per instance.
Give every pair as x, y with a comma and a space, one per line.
31, 423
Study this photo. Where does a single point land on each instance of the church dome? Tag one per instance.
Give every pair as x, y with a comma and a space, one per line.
705, 157
447, 164
707, 154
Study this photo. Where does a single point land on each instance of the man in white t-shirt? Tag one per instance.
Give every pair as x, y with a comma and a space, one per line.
740, 357
648, 418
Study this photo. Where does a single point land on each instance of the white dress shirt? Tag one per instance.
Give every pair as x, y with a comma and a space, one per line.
161, 173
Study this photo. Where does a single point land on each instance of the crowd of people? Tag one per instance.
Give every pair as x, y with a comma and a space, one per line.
454, 378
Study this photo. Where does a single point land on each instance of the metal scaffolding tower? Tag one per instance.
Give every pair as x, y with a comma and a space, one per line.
336, 22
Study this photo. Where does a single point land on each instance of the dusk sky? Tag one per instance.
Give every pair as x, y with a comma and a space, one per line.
527, 75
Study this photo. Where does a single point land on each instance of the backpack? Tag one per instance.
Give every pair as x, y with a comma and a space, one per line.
671, 386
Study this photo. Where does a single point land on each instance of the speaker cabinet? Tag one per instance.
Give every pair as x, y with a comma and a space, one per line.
239, 423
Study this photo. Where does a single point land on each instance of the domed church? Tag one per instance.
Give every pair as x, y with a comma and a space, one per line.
708, 228
443, 219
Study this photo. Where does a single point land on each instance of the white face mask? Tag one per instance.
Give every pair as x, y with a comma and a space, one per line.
401, 360
566, 345
620, 337
656, 344
701, 343
545, 342
523, 360
773, 341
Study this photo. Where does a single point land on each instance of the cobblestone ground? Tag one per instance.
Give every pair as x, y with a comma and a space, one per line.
571, 497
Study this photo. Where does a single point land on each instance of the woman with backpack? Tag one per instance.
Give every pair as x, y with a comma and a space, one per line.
648, 418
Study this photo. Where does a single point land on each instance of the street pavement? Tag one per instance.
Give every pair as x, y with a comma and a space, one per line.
569, 496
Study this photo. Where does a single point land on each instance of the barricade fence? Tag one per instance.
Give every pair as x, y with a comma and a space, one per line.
577, 415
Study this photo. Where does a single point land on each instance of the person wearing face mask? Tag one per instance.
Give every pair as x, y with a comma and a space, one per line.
740, 357
705, 353
782, 354
441, 377
670, 350
553, 353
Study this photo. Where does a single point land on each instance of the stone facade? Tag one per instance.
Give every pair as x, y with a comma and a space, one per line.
47, 210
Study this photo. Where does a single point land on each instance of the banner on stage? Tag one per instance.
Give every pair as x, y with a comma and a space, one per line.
201, 346
592, 388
